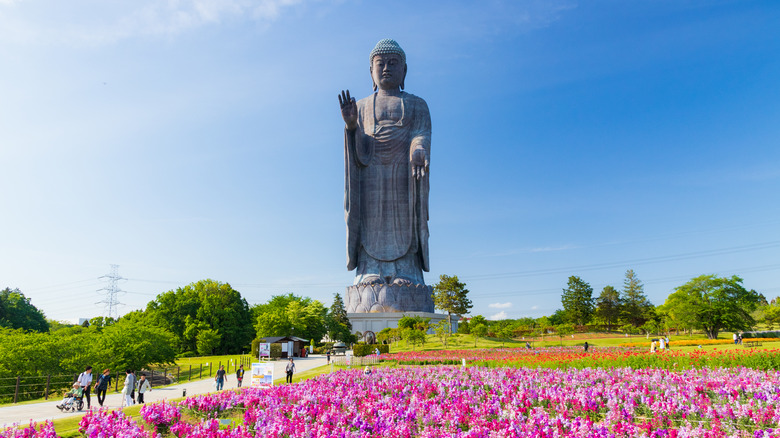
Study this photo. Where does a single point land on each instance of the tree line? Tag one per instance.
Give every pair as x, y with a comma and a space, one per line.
209, 317
203, 318
709, 303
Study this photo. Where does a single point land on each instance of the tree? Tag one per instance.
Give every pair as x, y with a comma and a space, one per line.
291, 315
479, 331
207, 341
564, 330
771, 315
636, 308
99, 322
205, 305
714, 304
415, 322
132, 345
441, 331
389, 335
542, 324
339, 326
17, 312
608, 306
479, 319
451, 296
464, 327
577, 300
651, 327
413, 336
505, 332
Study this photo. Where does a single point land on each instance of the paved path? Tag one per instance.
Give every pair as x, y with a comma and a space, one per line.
46, 410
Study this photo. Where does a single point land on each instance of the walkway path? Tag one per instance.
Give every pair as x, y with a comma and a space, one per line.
47, 411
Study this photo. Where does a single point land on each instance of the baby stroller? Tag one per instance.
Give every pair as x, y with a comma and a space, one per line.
73, 400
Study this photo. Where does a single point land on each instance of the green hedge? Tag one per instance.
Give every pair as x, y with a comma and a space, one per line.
765, 334
255, 348
360, 350
276, 349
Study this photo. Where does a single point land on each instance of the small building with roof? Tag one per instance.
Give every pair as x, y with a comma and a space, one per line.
291, 345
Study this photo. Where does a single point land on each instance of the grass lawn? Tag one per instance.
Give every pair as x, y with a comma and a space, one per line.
180, 371
466, 342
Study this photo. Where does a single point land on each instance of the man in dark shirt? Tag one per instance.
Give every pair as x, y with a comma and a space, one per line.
221, 377
240, 375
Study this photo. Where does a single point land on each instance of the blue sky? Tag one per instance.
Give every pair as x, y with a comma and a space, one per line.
195, 139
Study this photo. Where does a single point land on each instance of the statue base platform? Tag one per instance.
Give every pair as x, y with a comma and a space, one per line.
375, 322
389, 298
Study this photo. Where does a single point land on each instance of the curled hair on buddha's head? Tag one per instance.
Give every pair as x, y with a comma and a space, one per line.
387, 46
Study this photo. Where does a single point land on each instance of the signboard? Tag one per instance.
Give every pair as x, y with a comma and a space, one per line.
262, 375
265, 349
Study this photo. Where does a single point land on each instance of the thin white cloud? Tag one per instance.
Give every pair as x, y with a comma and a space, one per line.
500, 305
516, 251
534, 307
553, 248
129, 19
497, 316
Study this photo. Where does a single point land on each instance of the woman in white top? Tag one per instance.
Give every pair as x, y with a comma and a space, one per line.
128, 388
143, 387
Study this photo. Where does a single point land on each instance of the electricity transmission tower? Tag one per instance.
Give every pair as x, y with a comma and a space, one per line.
111, 301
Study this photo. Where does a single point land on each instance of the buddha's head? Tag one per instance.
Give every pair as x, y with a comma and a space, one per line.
388, 65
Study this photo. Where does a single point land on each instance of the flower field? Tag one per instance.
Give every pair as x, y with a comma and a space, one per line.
473, 402
575, 357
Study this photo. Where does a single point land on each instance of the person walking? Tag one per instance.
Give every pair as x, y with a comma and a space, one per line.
128, 387
240, 375
220, 378
101, 386
85, 381
327, 355
143, 387
290, 369
132, 387
586, 346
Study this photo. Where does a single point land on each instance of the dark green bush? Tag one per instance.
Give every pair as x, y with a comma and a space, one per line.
765, 334
360, 350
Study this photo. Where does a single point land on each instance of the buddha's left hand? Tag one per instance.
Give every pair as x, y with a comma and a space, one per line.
419, 163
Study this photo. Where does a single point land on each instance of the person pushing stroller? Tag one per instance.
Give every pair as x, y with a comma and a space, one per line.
72, 400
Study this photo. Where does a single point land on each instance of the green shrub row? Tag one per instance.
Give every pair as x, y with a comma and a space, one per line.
361, 350
766, 334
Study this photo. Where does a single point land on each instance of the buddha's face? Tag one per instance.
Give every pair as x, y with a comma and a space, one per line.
388, 71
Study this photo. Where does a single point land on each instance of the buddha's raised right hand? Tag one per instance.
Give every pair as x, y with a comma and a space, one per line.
348, 110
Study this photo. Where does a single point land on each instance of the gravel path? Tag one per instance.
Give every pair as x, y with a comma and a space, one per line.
46, 410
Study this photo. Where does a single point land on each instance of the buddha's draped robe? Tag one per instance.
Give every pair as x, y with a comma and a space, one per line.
386, 208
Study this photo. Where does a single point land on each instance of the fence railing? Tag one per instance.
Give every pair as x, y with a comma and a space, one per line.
24, 388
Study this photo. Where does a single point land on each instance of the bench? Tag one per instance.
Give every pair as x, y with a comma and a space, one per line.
751, 344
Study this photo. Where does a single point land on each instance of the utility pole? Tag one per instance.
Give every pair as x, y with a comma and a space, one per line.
111, 300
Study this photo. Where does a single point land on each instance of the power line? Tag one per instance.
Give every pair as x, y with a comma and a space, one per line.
659, 259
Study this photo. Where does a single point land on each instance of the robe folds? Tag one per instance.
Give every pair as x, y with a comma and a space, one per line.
385, 207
